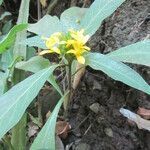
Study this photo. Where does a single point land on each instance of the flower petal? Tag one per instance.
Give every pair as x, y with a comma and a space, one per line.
81, 31
70, 42
81, 59
62, 42
45, 52
72, 51
86, 48
56, 50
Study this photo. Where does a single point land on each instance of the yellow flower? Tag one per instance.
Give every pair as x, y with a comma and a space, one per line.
71, 43
78, 50
52, 50
79, 36
51, 43
77, 45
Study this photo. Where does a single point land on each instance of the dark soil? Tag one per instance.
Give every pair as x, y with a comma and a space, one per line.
95, 118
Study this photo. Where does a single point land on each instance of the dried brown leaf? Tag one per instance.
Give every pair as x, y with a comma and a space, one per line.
141, 123
145, 113
62, 129
43, 3
32, 130
78, 75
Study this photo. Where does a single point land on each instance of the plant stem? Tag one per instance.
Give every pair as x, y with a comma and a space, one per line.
39, 9
18, 139
69, 82
51, 6
39, 110
67, 102
7, 142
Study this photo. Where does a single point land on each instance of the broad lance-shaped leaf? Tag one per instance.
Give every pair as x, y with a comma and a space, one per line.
46, 26
71, 18
7, 59
3, 82
7, 27
14, 102
117, 71
36, 64
99, 10
20, 50
52, 81
6, 13
138, 53
35, 41
46, 137
1, 1
10, 38
31, 52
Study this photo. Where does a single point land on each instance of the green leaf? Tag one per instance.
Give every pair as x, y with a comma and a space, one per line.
34, 64
1, 1
23, 12
6, 28
6, 13
99, 10
19, 132
34, 41
2, 37
20, 50
46, 137
14, 102
138, 53
46, 26
53, 82
35, 120
31, 52
117, 71
3, 82
74, 67
10, 38
71, 18
7, 58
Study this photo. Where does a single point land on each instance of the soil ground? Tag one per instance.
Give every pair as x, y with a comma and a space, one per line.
107, 129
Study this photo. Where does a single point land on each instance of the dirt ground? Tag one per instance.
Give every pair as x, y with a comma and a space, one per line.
95, 118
